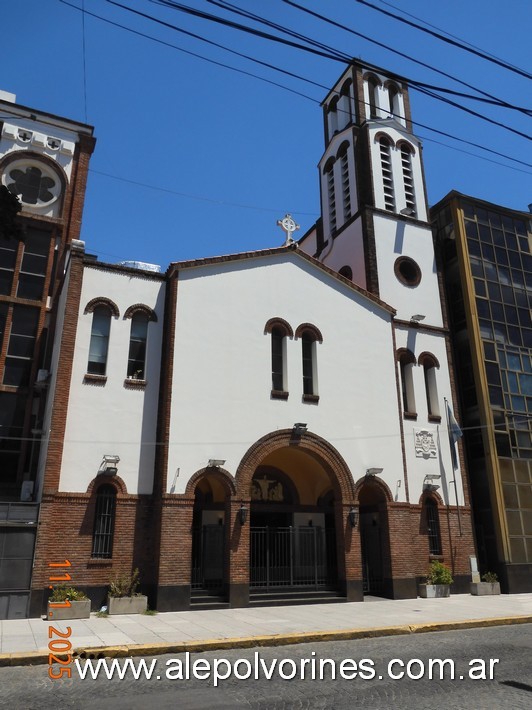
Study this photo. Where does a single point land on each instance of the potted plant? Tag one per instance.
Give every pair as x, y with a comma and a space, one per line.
123, 597
438, 584
488, 585
68, 603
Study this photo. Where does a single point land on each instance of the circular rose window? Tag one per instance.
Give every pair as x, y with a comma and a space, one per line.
34, 183
407, 271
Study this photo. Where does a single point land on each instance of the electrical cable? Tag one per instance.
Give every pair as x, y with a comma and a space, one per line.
409, 58
223, 65
488, 98
449, 34
439, 36
198, 197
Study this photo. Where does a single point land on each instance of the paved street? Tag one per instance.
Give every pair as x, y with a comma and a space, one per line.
29, 688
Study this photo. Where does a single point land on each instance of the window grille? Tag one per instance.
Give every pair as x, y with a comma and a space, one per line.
433, 527
104, 522
387, 175
346, 196
408, 179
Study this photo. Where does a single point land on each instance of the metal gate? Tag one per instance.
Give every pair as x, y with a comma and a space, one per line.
18, 528
292, 557
373, 574
208, 557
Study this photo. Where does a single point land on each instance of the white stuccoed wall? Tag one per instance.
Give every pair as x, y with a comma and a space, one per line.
112, 419
418, 341
221, 400
395, 238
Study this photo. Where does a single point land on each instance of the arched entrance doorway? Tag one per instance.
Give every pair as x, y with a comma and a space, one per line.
374, 538
292, 525
208, 537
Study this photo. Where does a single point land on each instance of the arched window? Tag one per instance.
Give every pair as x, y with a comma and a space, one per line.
408, 179
104, 522
99, 345
347, 272
278, 360
406, 364
430, 364
331, 198
136, 363
279, 330
344, 175
433, 526
345, 107
373, 96
387, 174
393, 101
333, 116
309, 336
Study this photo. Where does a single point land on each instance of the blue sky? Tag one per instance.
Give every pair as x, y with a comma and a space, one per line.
221, 156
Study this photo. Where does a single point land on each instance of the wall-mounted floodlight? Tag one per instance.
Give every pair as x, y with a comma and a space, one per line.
432, 477
214, 463
407, 211
430, 487
108, 464
374, 471
417, 318
299, 428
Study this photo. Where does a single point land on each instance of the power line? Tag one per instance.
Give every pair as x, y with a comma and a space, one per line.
198, 197
194, 54
487, 98
240, 71
445, 32
84, 59
244, 28
417, 84
441, 37
330, 53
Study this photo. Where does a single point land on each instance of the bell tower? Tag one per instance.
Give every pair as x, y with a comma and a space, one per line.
374, 227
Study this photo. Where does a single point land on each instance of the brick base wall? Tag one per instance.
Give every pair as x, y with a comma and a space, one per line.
66, 529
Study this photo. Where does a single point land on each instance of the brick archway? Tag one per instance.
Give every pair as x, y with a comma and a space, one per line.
348, 577
219, 474
313, 445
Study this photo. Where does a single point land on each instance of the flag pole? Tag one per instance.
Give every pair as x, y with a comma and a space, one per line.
453, 458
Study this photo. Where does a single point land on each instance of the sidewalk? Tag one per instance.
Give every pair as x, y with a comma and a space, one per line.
25, 641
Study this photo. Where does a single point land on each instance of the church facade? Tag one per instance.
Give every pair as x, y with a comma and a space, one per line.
266, 427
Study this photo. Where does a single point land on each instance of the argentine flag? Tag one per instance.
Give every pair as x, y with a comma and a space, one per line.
455, 433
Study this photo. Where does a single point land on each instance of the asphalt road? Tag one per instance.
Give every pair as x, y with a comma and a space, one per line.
29, 688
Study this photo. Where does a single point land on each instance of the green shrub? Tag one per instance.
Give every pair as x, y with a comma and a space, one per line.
63, 592
490, 577
439, 574
124, 585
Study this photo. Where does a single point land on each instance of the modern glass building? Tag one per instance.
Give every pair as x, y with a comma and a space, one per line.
484, 253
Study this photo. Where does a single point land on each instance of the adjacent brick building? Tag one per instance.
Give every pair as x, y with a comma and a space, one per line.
43, 162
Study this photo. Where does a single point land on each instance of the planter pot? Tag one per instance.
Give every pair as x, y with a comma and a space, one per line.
480, 589
80, 609
127, 605
434, 591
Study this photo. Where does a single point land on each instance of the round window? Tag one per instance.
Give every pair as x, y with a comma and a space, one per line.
34, 183
407, 271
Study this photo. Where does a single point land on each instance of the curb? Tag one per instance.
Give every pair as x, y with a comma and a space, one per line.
32, 658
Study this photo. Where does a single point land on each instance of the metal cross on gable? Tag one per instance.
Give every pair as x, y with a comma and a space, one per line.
289, 226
